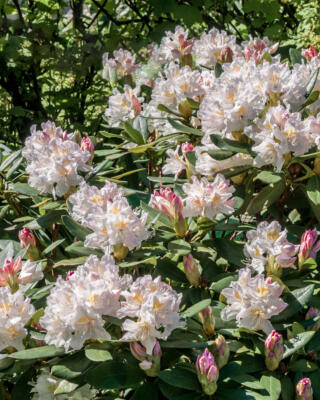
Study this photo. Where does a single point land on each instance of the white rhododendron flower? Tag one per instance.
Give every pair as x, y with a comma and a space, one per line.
175, 45
252, 301
208, 48
123, 106
76, 305
54, 160
268, 247
46, 384
155, 305
16, 310
207, 199
277, 135
108, 214
122, 64
176, 163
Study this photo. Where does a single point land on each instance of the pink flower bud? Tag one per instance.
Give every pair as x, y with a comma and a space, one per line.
138, 351
167, 202
273, 350
180, 225
8, 273
221, 351
309, 246
191, 270
310, 53
304, 390
87, 145
157, 352
311, 314
207, 372
26, 238
186, 147
226, 54
247, 53
208, 321
70, 273
145, 365
136, 105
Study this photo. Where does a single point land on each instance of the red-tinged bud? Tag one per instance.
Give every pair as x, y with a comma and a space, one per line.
273, 350
26, 238
70, 273
304, 390
226, 54
136, 105
221, 351
191, 270
149, 364
87, 145
186, 147
309, 246
208, 321
167, 202
207, 372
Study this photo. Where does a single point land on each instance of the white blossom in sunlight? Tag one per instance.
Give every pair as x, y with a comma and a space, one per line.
252, 301
54, 160
207, 199
268, 247
175, 45
122, 64
16, 310
154, 305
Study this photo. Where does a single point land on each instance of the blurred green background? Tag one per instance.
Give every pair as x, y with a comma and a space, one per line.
51, 50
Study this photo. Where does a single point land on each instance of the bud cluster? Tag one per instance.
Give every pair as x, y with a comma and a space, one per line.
149, 364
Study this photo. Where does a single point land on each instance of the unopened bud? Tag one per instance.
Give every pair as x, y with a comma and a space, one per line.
28, 239
207, 372
186, 147
150, 364
180, 225
120, 251
309, 246
87, 145
185, 109
191, 270
273, 350
311, 314
208, 321
304, 390
226, 54
221, 351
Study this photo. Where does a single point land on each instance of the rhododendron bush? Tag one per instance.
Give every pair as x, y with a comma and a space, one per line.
173, 255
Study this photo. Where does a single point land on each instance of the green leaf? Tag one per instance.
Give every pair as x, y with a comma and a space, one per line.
302, 366
223, 283
181, 378
287, 389
184, 128
148, 390
231, 251
248, 381
312, 82
47, 220
310, 100
191, 156
220, 154
268, 196
268, 177
114, 375
37, 352
77, 230
52, 246
313, 194
9, 160
97, 352
180, 247
193, 310
295, 56
169, 270
231, 145
272, 386
65, 387
63, 372
218, 69
135, 135
297, 342
70, 262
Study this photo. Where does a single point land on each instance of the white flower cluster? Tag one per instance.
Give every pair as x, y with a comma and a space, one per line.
108, 214
47, 385
15, 311
54, 159
76, 305
154, 305
122, 64
252, 301
267, 247
206, 199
